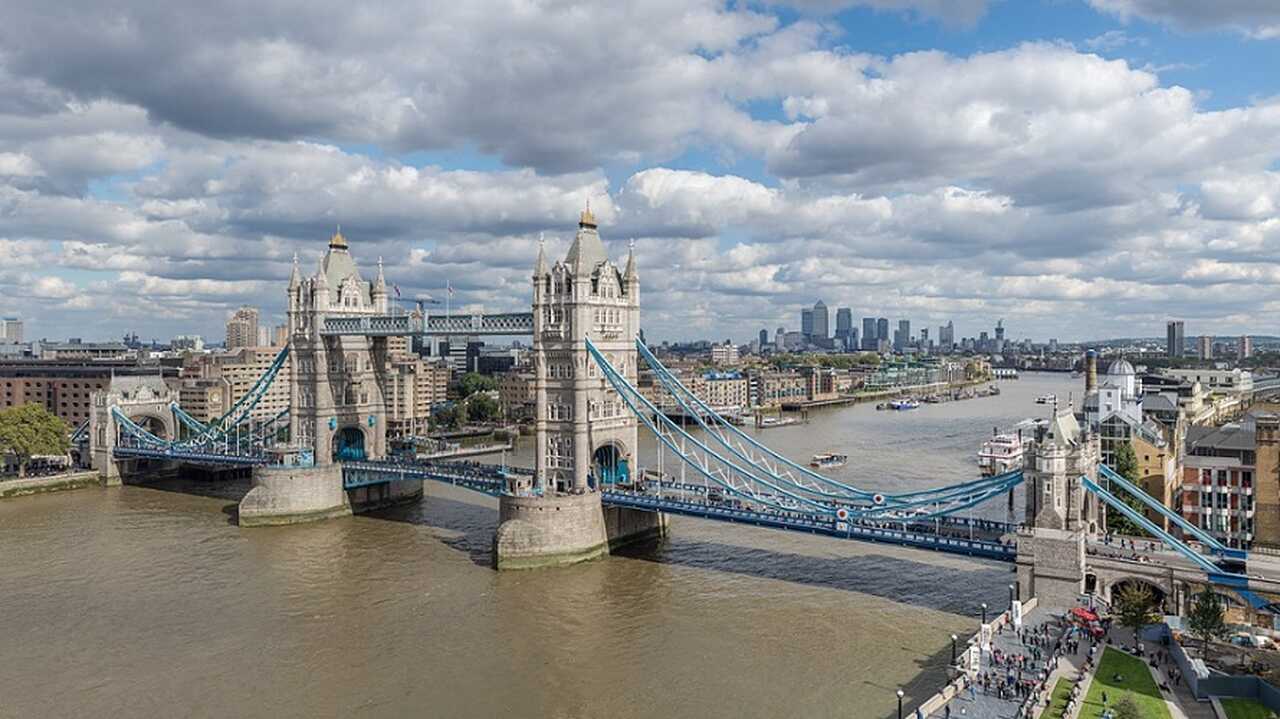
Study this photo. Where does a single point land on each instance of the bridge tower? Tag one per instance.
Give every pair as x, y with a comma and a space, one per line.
336, 406
586, 434
1060, 513
144, 400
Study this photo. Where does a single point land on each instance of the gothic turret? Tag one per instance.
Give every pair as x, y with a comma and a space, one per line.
587, 251
379, 291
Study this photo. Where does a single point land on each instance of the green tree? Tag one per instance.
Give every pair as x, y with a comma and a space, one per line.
451, 416
473, 382
1135, 607
1127, 708
28, 430
482, 408
1207, 619
1125, 463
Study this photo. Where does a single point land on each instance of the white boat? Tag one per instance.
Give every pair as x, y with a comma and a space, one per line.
778, 421
1002, 453
1047, 399
828, 460
904, 404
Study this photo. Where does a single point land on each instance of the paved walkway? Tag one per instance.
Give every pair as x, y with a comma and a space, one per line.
980, 704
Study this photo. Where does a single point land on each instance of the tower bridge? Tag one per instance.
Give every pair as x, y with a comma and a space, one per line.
327, 454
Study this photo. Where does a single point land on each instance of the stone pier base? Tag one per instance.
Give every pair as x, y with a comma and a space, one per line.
378, 496
292, 495
552, 531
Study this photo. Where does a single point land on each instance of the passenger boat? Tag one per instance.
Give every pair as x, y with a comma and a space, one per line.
777, 421
1002, 453
1047, 399
828, 460
904, 404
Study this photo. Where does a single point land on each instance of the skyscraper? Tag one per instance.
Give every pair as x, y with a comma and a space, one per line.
821, 321
947, 336
242, 328
1204, 347
902, 338
11, 330
1244, 349
1175, 342
780, 339
844, 327
764, 339
806, 324
869, 334
882, 329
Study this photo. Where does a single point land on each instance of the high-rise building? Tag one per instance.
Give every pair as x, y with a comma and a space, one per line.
844, 327
869, 334
780, 339
947, 336
1204, 347
764, 338
11, 330
1244, 349
242, 328
902, 338
806, 324
821, 321
852, 342
1175, 342
882, 330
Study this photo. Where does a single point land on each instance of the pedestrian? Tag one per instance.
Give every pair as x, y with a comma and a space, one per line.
946, 712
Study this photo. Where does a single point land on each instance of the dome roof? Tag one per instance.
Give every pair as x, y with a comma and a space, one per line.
1120, 367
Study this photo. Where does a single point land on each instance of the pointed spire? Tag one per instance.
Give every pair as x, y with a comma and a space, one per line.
338, 242
295, 277
587, 250
630, 272
380, 282
540, 264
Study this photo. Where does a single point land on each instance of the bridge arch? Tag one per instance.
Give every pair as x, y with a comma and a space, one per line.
153, 423
610, 463
1158, 591
349, 443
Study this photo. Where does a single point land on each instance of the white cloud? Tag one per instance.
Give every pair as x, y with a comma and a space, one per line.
1258, 18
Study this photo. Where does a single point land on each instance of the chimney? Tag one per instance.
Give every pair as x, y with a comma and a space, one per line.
1090, 371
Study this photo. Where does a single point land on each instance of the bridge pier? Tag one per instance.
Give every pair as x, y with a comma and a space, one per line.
557, 530
293, 495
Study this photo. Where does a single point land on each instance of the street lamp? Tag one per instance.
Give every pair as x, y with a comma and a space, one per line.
984, 612
1010, 597
899, 704
953, 649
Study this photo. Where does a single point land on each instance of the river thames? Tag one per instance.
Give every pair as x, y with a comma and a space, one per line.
150, 602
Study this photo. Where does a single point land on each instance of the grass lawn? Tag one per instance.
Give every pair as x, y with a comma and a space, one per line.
1135, 681
1058, 700
1246, 709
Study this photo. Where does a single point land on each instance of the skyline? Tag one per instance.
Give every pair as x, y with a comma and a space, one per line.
905, 158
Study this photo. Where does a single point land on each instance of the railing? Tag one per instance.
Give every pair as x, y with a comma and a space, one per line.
513, 323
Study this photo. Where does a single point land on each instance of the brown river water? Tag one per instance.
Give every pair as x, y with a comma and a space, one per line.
148, 601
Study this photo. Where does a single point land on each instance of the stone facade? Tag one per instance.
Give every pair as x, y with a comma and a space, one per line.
145, 401
337, 398
582, 423
291, 495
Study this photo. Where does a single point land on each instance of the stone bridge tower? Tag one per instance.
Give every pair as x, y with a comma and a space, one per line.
586, 435
143, 399
336, 405
1060, 514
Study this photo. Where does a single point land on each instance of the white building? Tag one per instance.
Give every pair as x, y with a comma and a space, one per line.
725, 354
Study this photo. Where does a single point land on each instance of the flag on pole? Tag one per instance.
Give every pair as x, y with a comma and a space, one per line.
397, 291
449, 287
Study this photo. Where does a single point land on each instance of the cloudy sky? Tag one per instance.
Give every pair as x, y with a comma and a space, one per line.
1080, 168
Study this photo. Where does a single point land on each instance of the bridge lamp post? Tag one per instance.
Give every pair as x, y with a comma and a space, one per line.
1010, 597
984, 612
900, 704
953, 649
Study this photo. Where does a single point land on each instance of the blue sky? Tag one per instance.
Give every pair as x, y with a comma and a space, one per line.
1079, 167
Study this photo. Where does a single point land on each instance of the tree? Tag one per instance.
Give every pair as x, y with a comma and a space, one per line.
1135, 607
451, 416
473, 382
482, 407
28, 430
1125, 463
1207, 620
1127, 708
